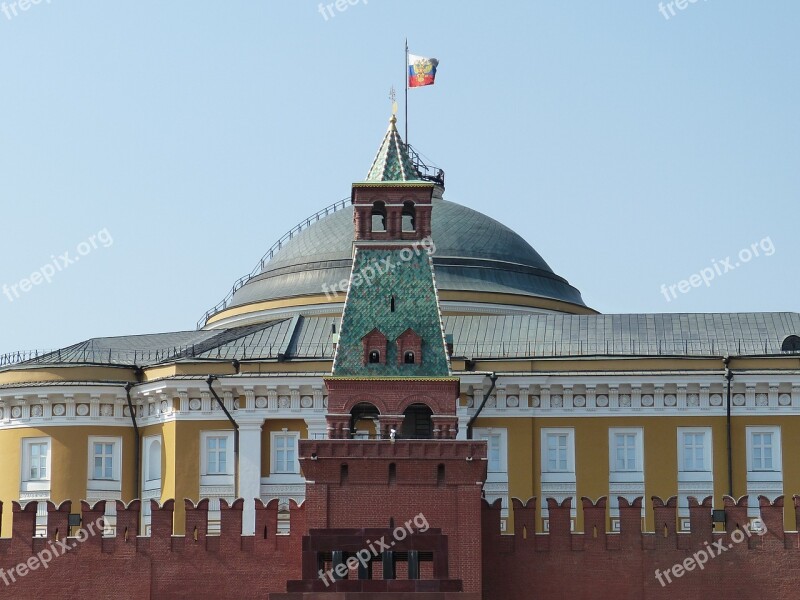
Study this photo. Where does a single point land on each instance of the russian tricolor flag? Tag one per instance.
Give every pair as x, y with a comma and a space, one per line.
421, 70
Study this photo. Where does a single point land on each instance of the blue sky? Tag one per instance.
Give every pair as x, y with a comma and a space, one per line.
629, 149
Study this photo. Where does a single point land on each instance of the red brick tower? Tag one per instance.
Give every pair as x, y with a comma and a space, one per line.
391, 469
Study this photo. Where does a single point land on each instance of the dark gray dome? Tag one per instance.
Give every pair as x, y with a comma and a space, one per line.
474, 253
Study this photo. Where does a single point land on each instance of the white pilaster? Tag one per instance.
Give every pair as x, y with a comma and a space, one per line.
249, 468
317, 427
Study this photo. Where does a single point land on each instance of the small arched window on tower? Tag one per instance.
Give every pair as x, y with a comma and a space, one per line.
409, 348
409, 217
379, 217
374, 348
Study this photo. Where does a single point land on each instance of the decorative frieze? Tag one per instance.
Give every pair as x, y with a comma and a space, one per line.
551, 395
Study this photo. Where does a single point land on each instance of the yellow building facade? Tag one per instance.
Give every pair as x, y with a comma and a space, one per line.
571, 403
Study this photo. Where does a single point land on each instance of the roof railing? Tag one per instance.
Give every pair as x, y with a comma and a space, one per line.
428, 172
269, 255
88, 354
631, 347
12, 358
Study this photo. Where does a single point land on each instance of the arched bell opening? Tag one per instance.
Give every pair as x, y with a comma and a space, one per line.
418, 422
364, 421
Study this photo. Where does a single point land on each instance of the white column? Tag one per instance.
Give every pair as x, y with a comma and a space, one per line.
249, 468
463, 420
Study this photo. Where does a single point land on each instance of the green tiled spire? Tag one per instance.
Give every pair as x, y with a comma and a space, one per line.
392, 162
379, 274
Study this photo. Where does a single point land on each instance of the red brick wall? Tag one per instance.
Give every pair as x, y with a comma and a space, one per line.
369, 499
160, 567
588, 565
622, 566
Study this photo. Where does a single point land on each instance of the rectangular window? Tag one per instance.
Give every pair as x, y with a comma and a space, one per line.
556, 452
37, 461
558, 467
625, 452
764, 465
762, 451
284, 449
694, 451
493, 452
103, 460
217, 455
626, 468
496, 486
495, 448
695, 468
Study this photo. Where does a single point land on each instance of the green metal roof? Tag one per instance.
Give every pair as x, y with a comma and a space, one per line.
473, 253
392, 162
369, 305
475, 336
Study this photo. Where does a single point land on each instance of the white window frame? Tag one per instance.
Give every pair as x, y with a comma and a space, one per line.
229, 454
760, 482
496, 485
27, 483
627, 483
697, 483
115, 483
107, 452
229, 459
567, 474
273, 437
147, 444
216, 485
484, 433
777, 454
636, 474
558, 484
708, 452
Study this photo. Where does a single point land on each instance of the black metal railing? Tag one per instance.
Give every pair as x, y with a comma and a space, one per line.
428, 172
91, 354
13, 358
269, 255
88, 354
524, 349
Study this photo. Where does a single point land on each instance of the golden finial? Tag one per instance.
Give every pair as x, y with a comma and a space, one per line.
393, 97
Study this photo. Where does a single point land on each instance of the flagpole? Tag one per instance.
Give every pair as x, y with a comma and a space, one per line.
405, 72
